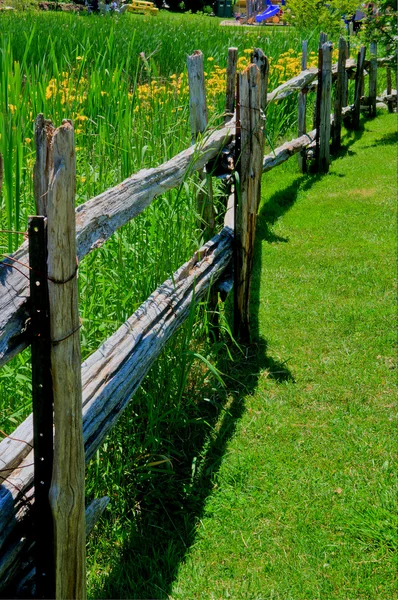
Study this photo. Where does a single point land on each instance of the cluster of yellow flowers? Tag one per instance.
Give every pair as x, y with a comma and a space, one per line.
68, 88
160, 91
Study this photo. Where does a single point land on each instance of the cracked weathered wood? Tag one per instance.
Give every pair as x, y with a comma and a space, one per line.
44, 130
98, 218
68, 478
26, 587
259, 59
249, 167
288, 149
197, 94
302, 80
230, 83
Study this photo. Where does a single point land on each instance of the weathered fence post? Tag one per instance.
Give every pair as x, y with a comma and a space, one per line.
198, 119
42, 401
259, 59
373, 79
302, 111
44, 131
317, 112
249, 168
231, 83
358, 88
340, 95
67, 486
324, 100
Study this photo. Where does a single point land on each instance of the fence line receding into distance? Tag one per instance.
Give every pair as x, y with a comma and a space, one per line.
89, 398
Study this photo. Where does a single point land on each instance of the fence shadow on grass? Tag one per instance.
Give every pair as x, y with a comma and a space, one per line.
172, 505
388, 139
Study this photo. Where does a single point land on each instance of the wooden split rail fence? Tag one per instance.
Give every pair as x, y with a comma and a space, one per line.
43, 519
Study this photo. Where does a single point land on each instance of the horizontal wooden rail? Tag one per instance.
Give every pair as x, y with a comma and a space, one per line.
110, 376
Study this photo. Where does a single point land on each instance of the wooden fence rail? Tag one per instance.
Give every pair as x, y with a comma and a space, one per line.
111, 375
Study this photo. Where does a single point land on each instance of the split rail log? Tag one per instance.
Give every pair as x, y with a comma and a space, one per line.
249, 166
287, 150
199, 119
111, 375
11, 451
98, 219
303, 80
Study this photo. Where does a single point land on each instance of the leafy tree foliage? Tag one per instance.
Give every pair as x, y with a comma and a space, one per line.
380, 23
319, 14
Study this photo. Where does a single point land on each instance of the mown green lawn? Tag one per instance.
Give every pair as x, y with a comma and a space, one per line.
304, 503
